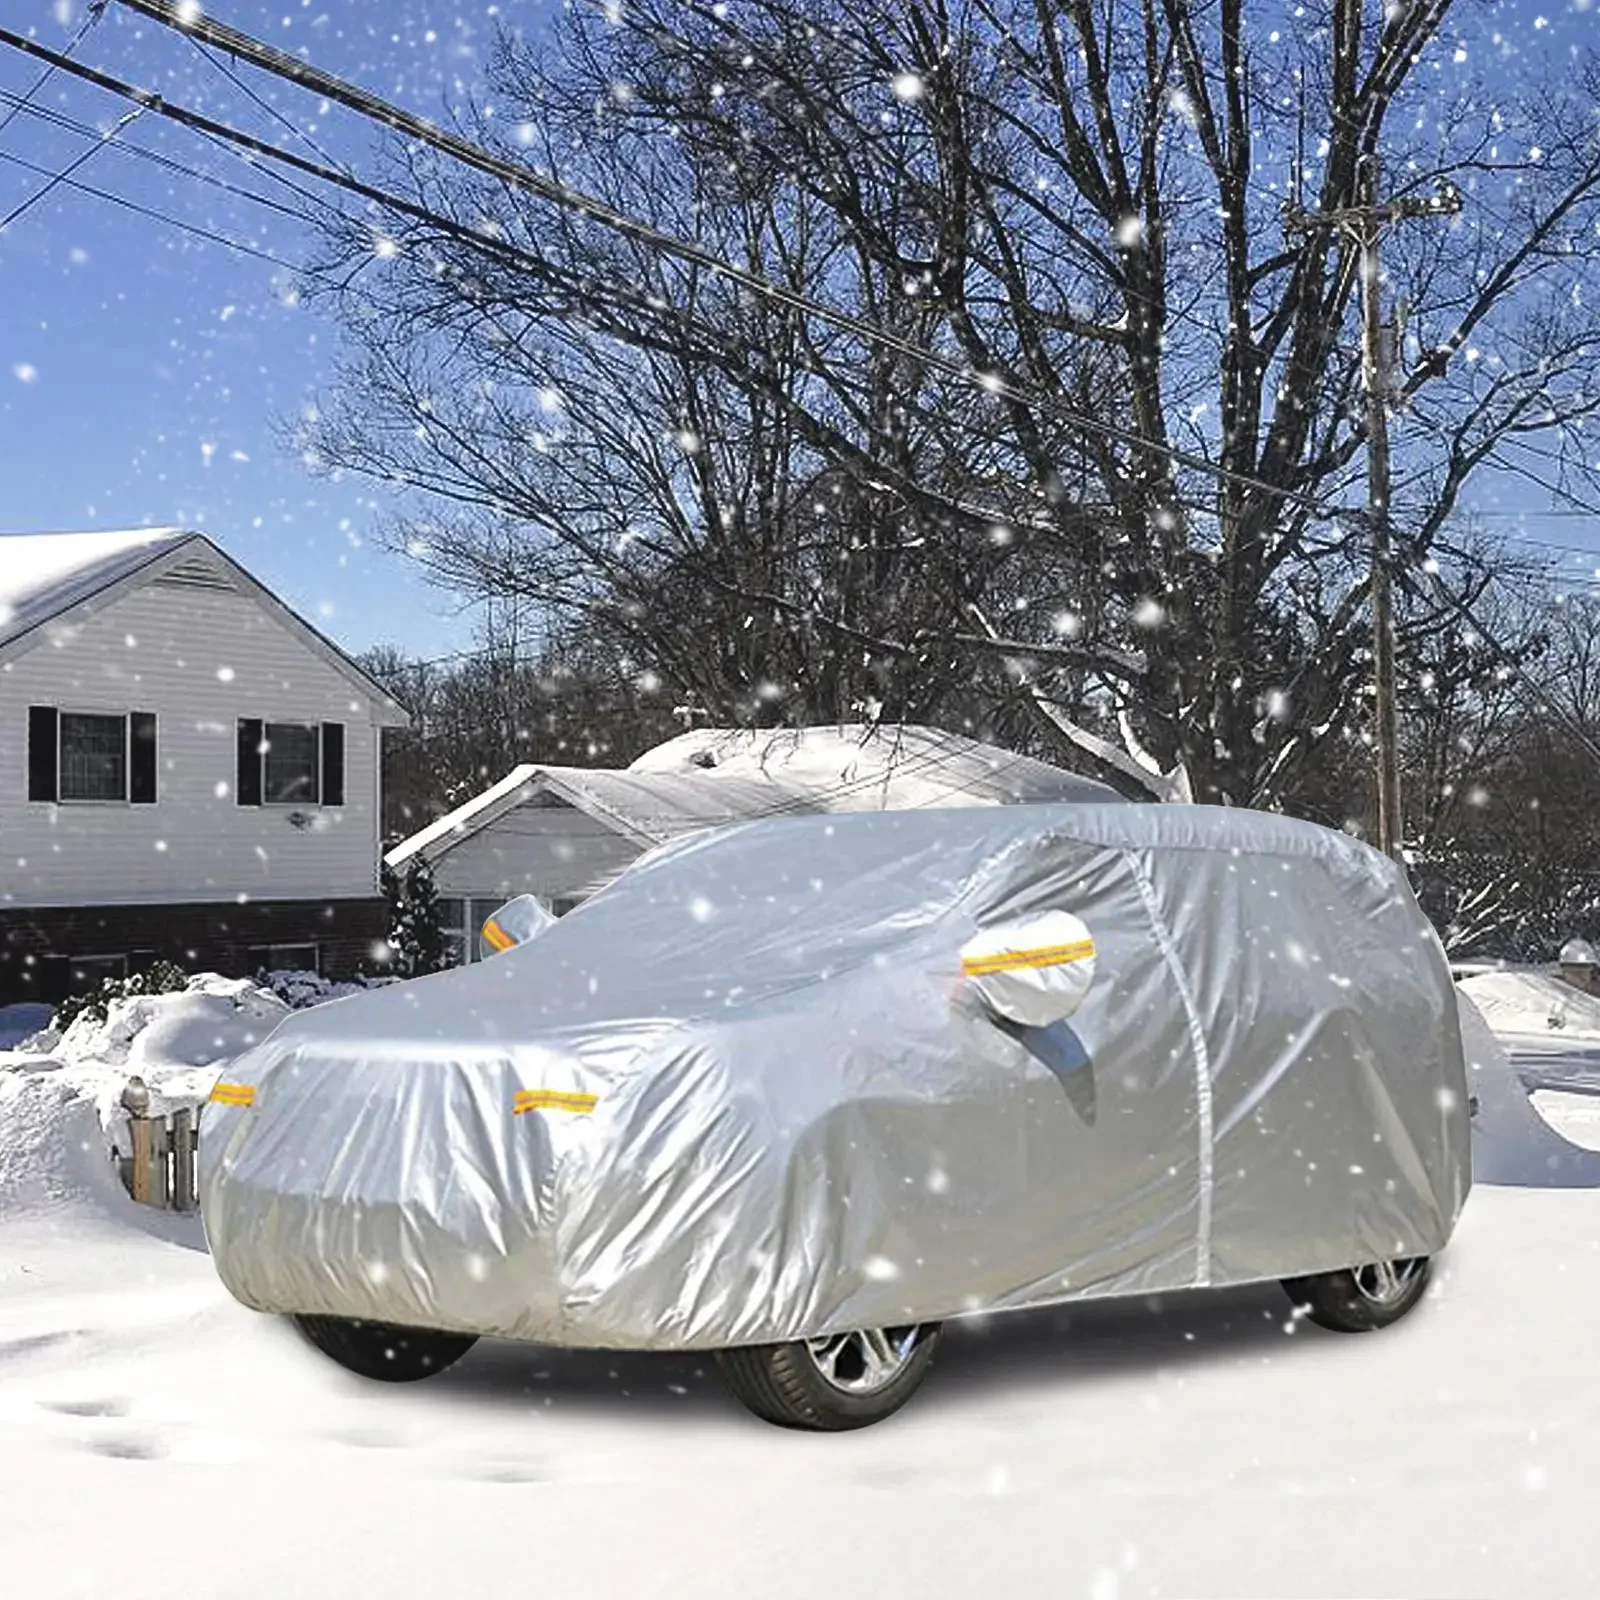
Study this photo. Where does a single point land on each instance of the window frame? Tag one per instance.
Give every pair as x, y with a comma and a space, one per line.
126, 719
315, 730
255, 950
105, 957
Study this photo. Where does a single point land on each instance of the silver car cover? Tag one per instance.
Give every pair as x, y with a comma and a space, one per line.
748, 1093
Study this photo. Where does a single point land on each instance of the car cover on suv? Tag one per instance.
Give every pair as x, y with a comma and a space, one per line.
820, 1073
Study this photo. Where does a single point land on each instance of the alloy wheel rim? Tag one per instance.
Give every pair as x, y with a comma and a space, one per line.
864, 1361
1385, 1283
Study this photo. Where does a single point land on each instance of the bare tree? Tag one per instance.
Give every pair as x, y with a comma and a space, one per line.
1134, 514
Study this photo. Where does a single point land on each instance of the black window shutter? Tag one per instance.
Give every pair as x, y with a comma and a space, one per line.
247, 789
333, 763
42, 736
142, 758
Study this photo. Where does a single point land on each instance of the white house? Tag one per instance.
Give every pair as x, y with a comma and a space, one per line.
561, 833
187, 768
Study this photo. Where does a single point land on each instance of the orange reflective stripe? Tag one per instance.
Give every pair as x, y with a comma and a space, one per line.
552, 1100
233, 1094
1016, 960
497, 936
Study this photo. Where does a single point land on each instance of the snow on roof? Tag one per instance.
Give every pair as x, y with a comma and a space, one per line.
457, 824
672, 789
647, 807
655, 807
855, 767
44, 574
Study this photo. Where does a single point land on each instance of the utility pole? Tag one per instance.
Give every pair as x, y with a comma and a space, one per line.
1364, 223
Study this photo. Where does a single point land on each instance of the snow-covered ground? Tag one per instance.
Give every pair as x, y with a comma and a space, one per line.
160, 1439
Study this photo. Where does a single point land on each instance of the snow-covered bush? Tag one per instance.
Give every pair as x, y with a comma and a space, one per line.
301, 989
163, 977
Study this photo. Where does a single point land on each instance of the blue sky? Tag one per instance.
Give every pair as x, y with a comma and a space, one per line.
145, 375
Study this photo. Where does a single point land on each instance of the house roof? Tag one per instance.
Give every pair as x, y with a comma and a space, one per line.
649, 808
671, 790
44, 574
49, 578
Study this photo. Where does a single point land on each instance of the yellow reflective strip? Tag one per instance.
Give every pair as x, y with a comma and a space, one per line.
552, 1100
1014, 960
234, 1094
497, 936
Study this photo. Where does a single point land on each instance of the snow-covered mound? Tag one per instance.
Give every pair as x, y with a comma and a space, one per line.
61, 1113
211, 1021
1511, 1143
52, 1146
1534, 1003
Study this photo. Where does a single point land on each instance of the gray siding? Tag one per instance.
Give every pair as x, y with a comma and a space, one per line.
200, 658
548, 850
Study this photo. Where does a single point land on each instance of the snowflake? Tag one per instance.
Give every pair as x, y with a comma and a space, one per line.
907, 86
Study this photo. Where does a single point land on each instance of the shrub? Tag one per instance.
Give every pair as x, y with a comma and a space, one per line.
162, 977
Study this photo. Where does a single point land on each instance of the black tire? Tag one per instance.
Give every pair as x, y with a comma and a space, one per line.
1360, 1299
787, 1384
382, 1351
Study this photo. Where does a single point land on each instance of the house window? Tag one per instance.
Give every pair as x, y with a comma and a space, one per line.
91, 755
290, 773
459, 921
285, 958
290, 763
87, 973
94, 757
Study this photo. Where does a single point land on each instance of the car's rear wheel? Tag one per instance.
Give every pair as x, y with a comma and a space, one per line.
1359, 1299
383, 1351
843, 1380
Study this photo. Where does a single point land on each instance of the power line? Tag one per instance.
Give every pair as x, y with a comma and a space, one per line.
243, 46
96, 11
261, 101
199, 232
24, 206
60, 119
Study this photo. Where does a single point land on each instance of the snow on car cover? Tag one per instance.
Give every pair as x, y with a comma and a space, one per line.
762, 1088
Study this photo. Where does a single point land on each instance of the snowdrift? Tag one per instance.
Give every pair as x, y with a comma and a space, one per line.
52, 1146
1512, 1144
1530, 1003
61, 1114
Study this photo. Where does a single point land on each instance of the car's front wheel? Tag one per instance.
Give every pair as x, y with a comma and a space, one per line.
1359, 1299
380, 1350
843, 1380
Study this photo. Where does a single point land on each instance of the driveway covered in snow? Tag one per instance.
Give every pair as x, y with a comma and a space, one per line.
159, 1439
